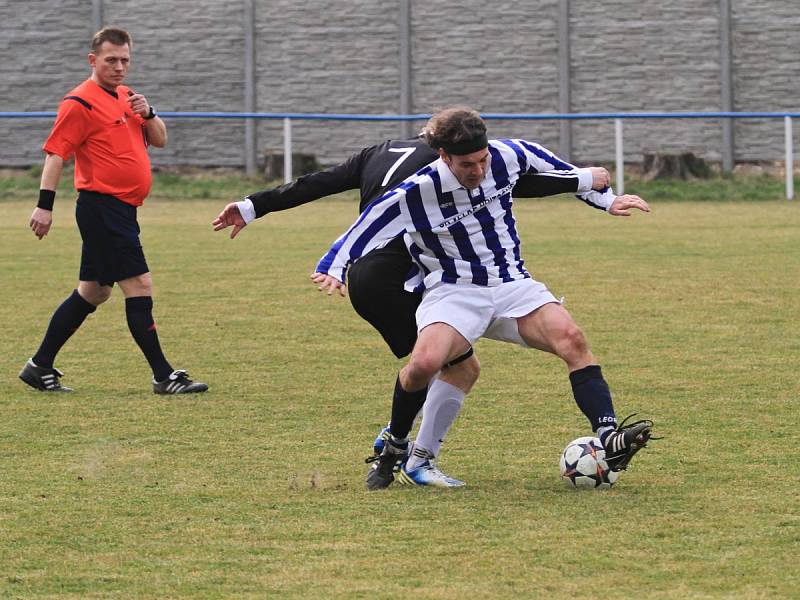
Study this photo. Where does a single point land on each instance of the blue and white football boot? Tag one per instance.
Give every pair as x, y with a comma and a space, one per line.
380, 441
426, 473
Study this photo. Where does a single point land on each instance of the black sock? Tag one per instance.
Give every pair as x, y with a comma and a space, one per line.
593, 396
405, 406
65, 321
139, 311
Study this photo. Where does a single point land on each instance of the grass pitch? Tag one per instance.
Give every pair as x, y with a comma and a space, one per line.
256, 489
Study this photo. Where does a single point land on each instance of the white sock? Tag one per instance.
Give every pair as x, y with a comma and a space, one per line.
441, 408
604, 432
417, 455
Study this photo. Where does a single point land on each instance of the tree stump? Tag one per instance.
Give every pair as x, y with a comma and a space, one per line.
301, 164
674, 166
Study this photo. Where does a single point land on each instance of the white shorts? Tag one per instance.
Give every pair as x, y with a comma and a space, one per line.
477, 311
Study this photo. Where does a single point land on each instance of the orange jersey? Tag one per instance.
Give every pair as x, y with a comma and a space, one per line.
108, 142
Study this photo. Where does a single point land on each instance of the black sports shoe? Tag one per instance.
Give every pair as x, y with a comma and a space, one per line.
45, 379
626, 441
387, 463
178, 382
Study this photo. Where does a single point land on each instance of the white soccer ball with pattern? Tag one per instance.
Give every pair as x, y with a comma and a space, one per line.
583, 465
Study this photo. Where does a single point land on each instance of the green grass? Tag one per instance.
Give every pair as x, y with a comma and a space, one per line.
256, 489
200, 185
718, 188
213, 184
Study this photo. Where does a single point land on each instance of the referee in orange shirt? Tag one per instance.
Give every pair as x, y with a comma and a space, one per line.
107, 127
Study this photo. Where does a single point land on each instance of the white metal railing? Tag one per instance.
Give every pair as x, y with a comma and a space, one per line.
287, 150
789, 161
616, 117
618, 156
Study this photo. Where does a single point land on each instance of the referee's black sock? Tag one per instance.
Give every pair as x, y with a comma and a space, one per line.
65, 321
405, 406
139, 311
593, 396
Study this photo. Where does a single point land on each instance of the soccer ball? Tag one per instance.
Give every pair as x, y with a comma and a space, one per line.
583, 465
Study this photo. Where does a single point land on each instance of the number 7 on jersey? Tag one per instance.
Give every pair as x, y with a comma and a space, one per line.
406, 152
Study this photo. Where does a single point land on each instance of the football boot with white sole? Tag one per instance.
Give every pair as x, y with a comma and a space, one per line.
178, 382
45, 379
425, 472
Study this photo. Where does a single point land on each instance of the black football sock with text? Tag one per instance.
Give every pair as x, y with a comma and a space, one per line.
594, 398
405, 406
139, 311
66, 320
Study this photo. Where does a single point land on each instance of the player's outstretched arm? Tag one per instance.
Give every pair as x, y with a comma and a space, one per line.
328, 283
622, 205
309, 187
550, 183
230, 216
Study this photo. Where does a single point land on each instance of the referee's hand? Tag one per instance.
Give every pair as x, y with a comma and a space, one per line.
230, 216
329, 284
41, 220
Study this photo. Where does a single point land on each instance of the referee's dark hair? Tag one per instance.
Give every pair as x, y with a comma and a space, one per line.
118, 37
454, 126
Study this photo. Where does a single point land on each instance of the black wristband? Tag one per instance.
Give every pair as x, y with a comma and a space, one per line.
46, 199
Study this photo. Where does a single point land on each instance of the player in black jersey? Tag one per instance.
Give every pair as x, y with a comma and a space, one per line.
376, 281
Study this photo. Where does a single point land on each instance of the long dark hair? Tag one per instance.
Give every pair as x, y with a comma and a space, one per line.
454, 126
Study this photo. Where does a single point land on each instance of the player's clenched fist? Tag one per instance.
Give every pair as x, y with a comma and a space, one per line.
601, 178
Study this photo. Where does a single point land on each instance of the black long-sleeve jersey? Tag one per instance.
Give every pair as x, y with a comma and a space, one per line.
378, 168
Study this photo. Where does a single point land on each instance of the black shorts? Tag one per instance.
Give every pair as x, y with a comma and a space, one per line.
111, 248
375, 286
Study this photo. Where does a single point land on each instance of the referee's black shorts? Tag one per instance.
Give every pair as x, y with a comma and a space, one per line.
111, 249
375, 285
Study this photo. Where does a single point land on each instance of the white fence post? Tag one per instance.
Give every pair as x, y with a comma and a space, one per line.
620, 154
787, 123
287, 150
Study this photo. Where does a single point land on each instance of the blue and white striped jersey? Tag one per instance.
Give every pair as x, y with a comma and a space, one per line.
453, 234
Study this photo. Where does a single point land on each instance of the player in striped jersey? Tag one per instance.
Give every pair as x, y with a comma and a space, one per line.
456, 220
376, 280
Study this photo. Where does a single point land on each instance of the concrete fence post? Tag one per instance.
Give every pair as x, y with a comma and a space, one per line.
97, 16
406, 127
726, 84
248, 25
564, 80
